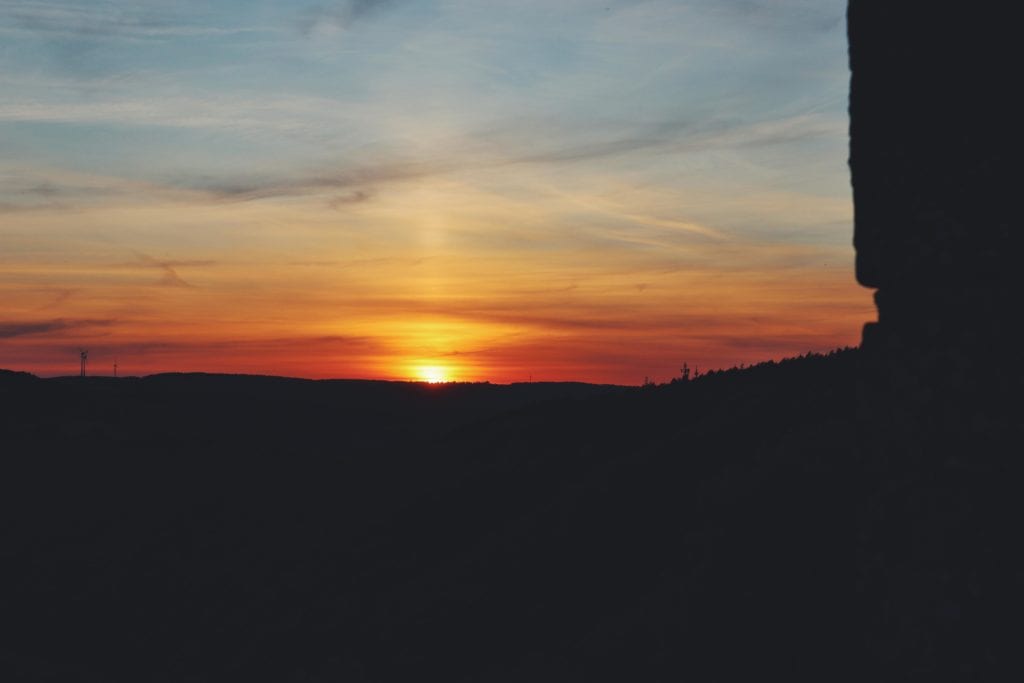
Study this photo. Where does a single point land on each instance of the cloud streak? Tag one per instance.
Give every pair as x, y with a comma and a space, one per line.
170, 277
12, 329
340, 16
101, 20
468, 155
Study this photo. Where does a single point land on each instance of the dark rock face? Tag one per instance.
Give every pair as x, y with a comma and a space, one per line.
934, 141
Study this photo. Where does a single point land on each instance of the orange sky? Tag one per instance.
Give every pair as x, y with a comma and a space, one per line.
636, 302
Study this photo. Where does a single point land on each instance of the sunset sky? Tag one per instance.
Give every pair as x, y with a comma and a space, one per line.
424, 189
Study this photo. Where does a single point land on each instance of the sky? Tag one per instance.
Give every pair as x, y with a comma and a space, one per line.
471, 190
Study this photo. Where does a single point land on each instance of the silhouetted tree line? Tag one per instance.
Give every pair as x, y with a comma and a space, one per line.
686, 376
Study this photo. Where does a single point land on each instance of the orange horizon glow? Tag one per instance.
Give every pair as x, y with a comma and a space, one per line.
602, 314
598, 328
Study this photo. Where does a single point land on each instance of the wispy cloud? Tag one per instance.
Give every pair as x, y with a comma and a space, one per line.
31, 189
327, 181
85, 40
339, 16
508, 148
170, 277
101, 19
294, 115
794, 14
12, 207
242, 346
11, 329
357, 196
59, 297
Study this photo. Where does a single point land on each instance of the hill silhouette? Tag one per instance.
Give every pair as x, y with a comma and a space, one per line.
197, 527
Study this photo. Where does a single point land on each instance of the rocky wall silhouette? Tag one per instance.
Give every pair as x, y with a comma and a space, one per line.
934, 144
934, 137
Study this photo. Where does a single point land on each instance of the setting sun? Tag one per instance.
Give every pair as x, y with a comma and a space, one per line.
432, 374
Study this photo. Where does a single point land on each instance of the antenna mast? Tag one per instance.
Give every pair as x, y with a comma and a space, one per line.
85, 359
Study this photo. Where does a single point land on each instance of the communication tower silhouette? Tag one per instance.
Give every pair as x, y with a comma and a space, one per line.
85, 359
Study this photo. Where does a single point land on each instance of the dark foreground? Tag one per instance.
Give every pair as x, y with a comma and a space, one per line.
784, 520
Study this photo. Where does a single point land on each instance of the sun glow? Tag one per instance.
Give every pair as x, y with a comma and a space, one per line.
432, 374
